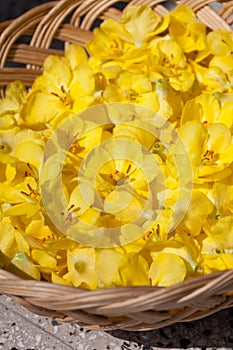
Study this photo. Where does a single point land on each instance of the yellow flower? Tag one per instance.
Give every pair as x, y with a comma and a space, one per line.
220, 42
221, 233
226, 111
214, 262
106, 46
136, 61
12, 103
217, 245
123, 174
209, 109
90, 138
13, 240
39, 231
167, 269
171, 62
136, 27
189, 251
209, 148
205, 107
215, 79
217, 151
225, 64
20, 192
26, 145
128, 264
132, 88
199, 209
81, 268
170, 102
193, 144
58, 90
186, 29
29, 208
140, 23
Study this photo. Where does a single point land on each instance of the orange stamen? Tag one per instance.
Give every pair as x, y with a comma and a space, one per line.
128, 169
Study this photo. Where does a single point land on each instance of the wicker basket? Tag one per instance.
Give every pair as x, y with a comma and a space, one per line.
128, 308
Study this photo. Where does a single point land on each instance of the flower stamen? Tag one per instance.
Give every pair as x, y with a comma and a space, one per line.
208, 156
148, 234
63, 89
54, 94
33, 193
128, 169
66, 100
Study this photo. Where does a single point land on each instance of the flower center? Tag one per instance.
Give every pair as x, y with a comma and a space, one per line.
114, 48
208, 156
121, 178
4, 148
131, 94
80, 266
64, 98
117, 176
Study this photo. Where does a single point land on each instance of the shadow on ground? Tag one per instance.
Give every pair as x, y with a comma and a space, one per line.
212, 332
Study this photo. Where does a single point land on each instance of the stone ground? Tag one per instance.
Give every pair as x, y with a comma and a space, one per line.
20, 329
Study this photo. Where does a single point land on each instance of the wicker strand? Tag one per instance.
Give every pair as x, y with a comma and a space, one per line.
18, 28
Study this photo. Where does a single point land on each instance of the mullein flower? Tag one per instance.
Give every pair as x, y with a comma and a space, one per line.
11, 104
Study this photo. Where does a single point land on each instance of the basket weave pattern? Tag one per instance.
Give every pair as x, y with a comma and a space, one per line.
129, 308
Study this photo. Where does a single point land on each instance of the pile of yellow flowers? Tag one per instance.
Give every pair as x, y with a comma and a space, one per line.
172, 68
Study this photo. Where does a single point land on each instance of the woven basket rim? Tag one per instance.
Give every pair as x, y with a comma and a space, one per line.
199, 296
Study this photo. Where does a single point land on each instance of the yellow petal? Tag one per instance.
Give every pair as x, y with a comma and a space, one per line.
139, 21
28, 208
83, 81
105, 46
22, 261
14, 98
167, 269
199, 208
22, 244
107, 261
222, 231
41, 108
134, 82
219, 137
126, 271
76, 55
55, 78
44, 259
193, 135
7, 237
225, 115
220, 42
186, 29
29, 152
38, 230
